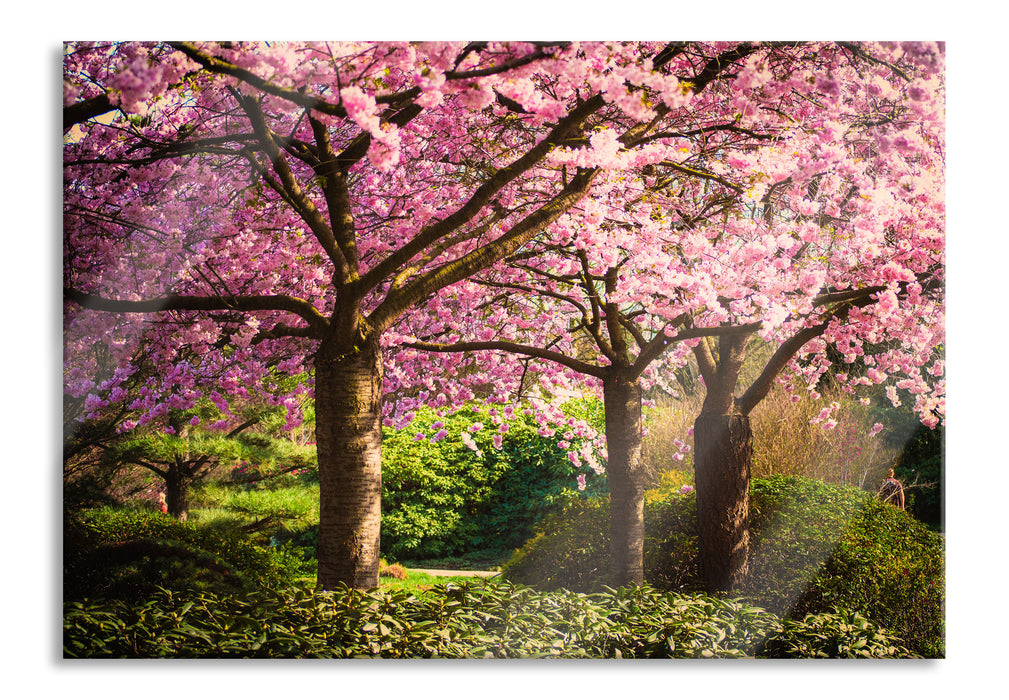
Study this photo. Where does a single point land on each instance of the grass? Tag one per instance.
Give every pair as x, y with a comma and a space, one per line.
787, 439
419, 581
416, 582
265, 510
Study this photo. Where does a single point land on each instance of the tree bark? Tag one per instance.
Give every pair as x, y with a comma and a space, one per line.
177, 482
622, 402
723, 449
348, 403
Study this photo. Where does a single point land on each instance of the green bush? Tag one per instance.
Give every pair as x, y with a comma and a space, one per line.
814, 548
891, 568
477, 619
442, 498
128, 553
839, 635
131, 570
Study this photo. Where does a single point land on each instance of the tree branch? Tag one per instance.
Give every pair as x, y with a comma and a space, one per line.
220, 66
87, 109
173, 302
514, 348
459, 269
482, 196
291, 189
657, 345
846, 302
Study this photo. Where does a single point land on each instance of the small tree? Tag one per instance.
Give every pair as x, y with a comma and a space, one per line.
182, 452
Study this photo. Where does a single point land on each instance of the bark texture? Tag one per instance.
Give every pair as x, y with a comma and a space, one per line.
349, 437
177, 483
622, 401
723, 445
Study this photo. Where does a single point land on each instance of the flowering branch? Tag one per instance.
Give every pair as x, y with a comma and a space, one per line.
279, 302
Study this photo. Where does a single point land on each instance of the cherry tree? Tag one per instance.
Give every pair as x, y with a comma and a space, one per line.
803, 206
243, 208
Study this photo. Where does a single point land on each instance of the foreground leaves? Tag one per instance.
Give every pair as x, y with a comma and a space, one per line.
479, 619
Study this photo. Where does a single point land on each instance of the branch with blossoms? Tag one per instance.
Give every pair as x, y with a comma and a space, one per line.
220, 66
466, 266
484, 194
846, 301
316, 321
90, 108
513, 348
503, 246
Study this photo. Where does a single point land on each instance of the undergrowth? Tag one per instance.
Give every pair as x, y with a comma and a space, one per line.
476, 619
814, 548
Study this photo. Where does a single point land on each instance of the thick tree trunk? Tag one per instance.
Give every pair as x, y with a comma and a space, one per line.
723, 454
622, 402
348, 403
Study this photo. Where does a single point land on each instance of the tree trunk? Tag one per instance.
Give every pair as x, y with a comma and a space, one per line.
723, 454
177, 482
348, 407
622, 402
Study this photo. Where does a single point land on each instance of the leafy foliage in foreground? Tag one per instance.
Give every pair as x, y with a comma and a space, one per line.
477, 619
814, 548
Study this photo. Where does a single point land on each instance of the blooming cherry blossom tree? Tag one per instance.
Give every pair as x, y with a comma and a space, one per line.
781, 208
230, 202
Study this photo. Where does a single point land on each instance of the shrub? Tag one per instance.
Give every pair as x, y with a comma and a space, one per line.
789, 437
839, 635
443, 498
476, 619
131, 570
814, 548
129, 552
890, 567
393, 571
668, 426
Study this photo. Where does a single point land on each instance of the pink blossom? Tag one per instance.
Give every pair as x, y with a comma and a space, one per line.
887, 301
469, 442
